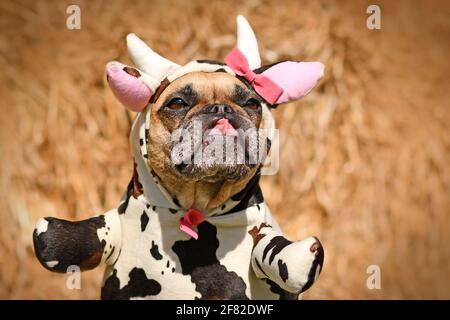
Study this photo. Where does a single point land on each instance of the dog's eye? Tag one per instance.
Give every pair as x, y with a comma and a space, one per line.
176, 104
252, 104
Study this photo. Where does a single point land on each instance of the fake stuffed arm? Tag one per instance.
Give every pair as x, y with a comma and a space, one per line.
60, 244
294, 266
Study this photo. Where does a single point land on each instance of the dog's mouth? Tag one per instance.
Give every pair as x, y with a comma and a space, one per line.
223, 127
215, 148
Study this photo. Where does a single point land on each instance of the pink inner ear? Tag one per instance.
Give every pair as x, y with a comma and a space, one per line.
295, 78
128, 89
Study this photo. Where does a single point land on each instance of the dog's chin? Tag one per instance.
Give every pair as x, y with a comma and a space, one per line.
215, 157
214, 172
214, 169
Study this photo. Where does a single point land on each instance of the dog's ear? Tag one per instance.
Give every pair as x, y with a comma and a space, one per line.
296, 79
132, 87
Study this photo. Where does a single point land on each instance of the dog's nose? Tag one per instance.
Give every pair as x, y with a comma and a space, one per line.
219, 108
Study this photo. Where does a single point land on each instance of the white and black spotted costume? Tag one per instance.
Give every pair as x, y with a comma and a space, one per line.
240, 252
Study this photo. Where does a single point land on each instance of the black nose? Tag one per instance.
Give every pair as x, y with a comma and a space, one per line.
219, 108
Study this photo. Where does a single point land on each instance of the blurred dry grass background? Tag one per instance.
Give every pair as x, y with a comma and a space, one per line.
364, 159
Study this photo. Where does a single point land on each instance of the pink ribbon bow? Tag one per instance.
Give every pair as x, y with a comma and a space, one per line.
265, 87
191, 219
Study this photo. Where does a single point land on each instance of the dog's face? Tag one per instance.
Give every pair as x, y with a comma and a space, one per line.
204, 142
204, 126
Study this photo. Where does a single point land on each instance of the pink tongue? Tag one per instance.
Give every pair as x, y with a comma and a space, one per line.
223, 127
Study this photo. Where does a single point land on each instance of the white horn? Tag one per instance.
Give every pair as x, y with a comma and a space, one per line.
246, 42
148, 60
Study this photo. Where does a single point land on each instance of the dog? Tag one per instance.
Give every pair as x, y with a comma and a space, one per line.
189, 228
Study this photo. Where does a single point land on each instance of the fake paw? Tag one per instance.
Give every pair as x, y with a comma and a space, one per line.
59, 244
294, 266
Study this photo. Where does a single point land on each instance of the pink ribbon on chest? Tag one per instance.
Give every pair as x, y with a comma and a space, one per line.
264, 86
191, 219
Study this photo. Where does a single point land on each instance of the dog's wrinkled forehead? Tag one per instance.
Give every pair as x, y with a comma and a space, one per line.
205, 87
197, 72
278, 83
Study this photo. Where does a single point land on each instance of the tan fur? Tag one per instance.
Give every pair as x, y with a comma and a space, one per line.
202, 195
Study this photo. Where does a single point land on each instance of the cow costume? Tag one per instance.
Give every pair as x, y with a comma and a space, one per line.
155, 249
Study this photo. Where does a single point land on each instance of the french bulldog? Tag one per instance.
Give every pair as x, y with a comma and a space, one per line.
192, 223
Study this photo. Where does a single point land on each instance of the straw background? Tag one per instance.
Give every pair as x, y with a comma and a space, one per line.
364, 157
